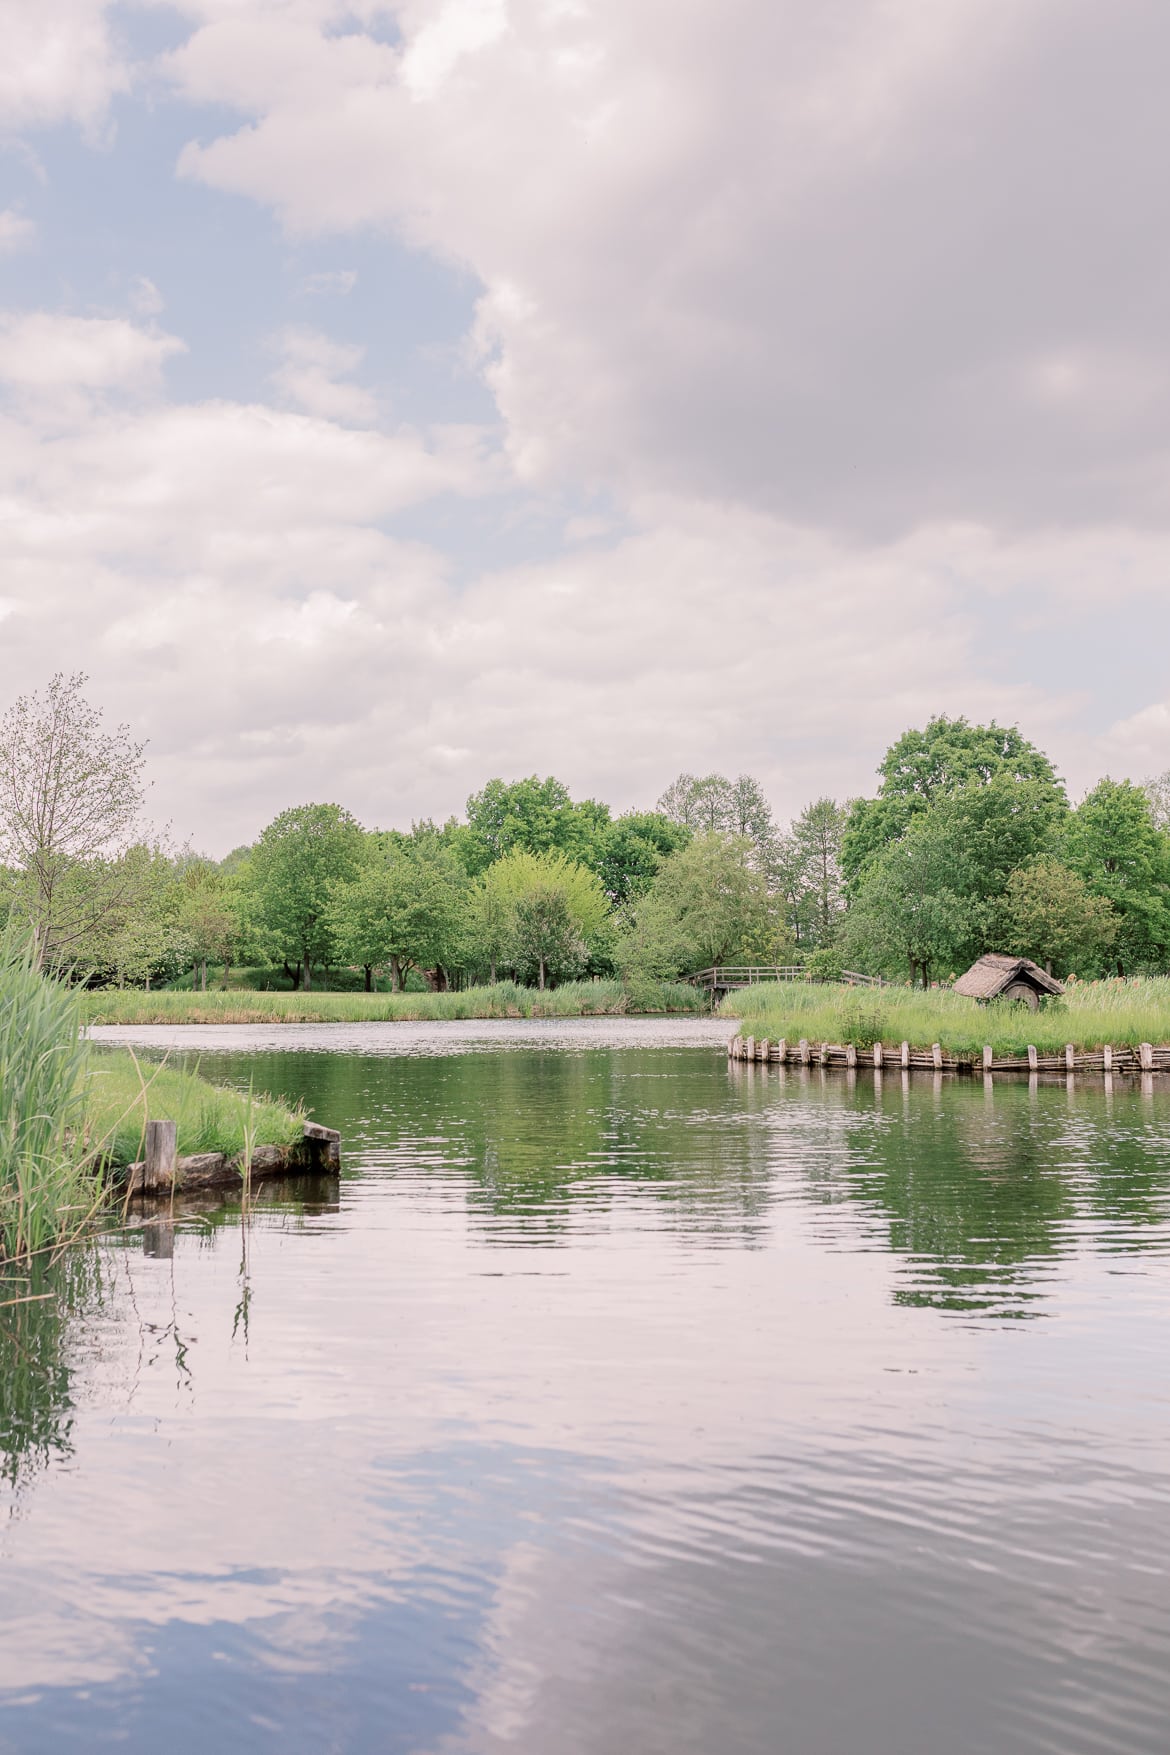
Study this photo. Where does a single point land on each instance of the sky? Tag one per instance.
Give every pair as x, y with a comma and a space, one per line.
394, 396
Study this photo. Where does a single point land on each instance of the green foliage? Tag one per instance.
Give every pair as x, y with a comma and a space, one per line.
1049, 913
713, 805
538, 913
504, 999
911, 912
291, 878
121, 1094
1113, 843
708, 903
632, 849
43, 1174
1124, 1013
806, 868
406, 907
825, 964
531, 816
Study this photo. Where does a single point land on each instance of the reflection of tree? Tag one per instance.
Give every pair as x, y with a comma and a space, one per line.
40, 1304
979, 1191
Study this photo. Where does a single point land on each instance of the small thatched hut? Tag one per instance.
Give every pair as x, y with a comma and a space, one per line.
995, 977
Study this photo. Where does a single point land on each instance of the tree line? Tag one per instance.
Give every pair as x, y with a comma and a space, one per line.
970, 843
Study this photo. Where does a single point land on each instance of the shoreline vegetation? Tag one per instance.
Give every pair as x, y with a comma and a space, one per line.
506, 999
73, 1114
1092, 1014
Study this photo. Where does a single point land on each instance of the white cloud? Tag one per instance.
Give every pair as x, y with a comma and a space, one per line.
16, 232
59, 63
40, 351
313, 376
331, 280
145, 297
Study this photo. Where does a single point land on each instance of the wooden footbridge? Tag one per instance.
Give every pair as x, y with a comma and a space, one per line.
729, 977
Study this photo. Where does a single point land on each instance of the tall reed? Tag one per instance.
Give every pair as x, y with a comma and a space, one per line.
46, 1184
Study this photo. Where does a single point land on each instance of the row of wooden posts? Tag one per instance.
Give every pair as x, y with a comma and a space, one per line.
1144, 1058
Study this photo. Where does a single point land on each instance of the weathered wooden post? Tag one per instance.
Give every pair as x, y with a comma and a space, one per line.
877, 1057
782, 1051
936, 1055
1146, 1050
1070, 1058
824, 1054
987, 1057
805, 1051
749, 1048
905, 1056
850, 1055
1107, 1057
1032, 1057
162, 1154
763, 1051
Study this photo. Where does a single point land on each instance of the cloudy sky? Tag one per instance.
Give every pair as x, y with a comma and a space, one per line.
396, 395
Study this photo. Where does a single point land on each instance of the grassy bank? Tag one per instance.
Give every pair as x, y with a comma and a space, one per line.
1123, 1013
122, 1094
576, 999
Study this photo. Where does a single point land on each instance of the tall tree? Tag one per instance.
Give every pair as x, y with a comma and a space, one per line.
631, 851
297, 864
1113, 843
1050, 914
911, 912
709, 902
70, 798
531, 816
815, 841
1157, 791
404, 908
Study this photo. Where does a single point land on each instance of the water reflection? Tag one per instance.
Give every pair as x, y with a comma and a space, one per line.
615, 1399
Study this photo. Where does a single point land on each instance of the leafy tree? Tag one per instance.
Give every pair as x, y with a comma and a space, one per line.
712, 804
207, 913
70, 798
708, 902
1050, 914
632, 849
298, 862
512, 909
911, 912
532, 816
404, 908
925, 767
1157, 790
545, 935
1113, 843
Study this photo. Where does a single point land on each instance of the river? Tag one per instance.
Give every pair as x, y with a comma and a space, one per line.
616, 1401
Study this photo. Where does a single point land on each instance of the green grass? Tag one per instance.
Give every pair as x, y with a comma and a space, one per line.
505, 1000
121, 1094
1122, 1013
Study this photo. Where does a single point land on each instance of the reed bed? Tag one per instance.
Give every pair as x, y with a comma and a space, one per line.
1123, 1013
575, 999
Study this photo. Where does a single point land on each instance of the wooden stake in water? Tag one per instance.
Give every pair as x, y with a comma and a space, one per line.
162, 1154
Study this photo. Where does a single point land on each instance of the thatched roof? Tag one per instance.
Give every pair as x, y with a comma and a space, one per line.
991, 975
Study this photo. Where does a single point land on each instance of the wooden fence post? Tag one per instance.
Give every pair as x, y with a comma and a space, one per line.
987, 1057
805, 1053
162, 1154
936, 1055
1031, 1058
1070, 1057
1107, 1057
877, 1057
905, 1054
1146, 1051
782, 1051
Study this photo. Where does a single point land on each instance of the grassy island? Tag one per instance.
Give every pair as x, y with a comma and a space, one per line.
1122, 1013
506, 999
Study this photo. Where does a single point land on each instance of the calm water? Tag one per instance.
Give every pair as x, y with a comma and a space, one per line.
616, 1401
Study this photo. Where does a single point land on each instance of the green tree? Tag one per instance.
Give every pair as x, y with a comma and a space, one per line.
809, 871
512, 902
545, 937
708, 903
712, 804
404, 908
911, 912
1157, 790
631, 850
1050, 914
925, 767
531, 816
292, 874
207, 913
1112, 841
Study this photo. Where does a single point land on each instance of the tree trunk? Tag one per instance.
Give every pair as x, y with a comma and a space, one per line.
294, 975
369, 977
492, 974
203, 975
542, 974
307, 978
395, 976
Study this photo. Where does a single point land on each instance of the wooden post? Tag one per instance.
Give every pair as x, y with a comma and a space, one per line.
162, 1154
1146, 1050
1107, 1057
906, 1054
782, 1051
936, 1055
805, 1052
1031, 1058
850, 1055
762, 1051
824, 1054
749, 1048
987, 1057
1070, 1057
877, 1057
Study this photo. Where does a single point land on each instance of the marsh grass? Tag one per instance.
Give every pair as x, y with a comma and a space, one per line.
49, 1185
575, 999
123, 1094
1123, 1013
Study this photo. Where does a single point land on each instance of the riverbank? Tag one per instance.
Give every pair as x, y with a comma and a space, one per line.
123, 1094
576, 999
1122, 1014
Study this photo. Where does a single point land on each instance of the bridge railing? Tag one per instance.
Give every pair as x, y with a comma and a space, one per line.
749, 974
